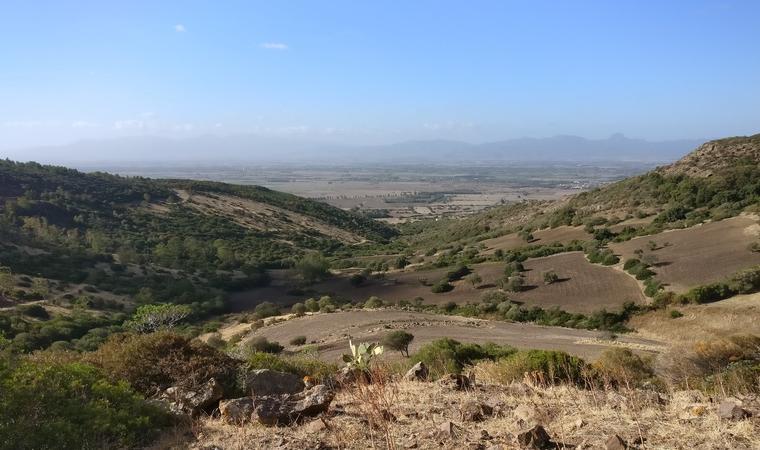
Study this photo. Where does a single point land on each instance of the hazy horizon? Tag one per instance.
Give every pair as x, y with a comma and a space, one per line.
347, 74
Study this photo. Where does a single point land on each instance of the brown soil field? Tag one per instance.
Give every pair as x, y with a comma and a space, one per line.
331, 332
701, 254
563, 234
737, 315
584, 287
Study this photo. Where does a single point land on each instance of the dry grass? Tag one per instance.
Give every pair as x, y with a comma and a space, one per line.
572, 416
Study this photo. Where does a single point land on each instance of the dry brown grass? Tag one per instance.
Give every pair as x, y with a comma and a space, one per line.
573, 416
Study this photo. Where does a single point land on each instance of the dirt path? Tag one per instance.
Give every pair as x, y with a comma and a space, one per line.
331, 332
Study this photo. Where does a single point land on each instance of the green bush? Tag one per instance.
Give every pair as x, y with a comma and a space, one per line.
298, 340
35, 310
373, 302
266, 309
301, 365
299, 309
675, 314
622, 367
540, 366
449, 356
71, 406
156, 361
262, 344
441, 287
398, 340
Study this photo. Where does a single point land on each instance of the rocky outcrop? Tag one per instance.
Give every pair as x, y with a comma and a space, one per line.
193, 401
418, 372
237, 411
536, 439
287, 409
455, 381
270, 382
731, 409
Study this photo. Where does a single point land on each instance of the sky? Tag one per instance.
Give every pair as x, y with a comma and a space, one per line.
377, 71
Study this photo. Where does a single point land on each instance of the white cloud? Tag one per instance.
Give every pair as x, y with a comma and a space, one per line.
179, 28
274, 46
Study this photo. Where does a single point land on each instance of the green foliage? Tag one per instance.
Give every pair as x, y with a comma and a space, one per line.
150, 318
301, 365
675, 314
441, 287
262, 344
543, 367
71, 406
35, 310
457, 273
398, 340
550, 277
361, 355
373, 302
624, 368
298, 340
449, 356
312, 268
266, 309
156, 361
299, 309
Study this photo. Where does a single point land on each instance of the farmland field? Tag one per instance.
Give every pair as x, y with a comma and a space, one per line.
330, 332
563, 234
698, 255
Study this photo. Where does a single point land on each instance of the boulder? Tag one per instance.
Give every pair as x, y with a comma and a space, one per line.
237, 411
536, 438
193, 401
615, 442
473, 411
731, 409
418, 372
270, 382
447, 430
287, 409
455, 381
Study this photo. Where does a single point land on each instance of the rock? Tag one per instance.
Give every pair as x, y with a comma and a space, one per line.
315, 426
193, 401
615, 442
238, 410
526, 415
455, 381
417, 373
731, 409
270, 382
536, 438
473, 411
447, 430
287, 409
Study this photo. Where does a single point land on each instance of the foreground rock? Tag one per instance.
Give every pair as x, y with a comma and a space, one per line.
536, 438
419, 372
193, 401
473, 411
237, 411
615, 442
270, 382
731, 409
287, 409
455, 381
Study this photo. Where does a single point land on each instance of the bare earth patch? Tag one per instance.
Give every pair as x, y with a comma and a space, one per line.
698, 255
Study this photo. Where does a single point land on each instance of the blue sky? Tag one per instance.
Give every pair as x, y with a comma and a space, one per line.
377, 71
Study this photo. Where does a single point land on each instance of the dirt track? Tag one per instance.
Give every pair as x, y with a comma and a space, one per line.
331, 332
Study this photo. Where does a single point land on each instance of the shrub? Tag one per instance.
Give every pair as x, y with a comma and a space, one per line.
312, 268
373, 302
35, 310
299, 309
298, 340
622, 367
311, 305
266, 309
543, 367
513, 268
156, 361
729, 366
441, 287
357, 279
550, 277
300, 365
398, 340
71, 405
457, 273
675, 314
149, 318
495, 297
262, 344
449, 356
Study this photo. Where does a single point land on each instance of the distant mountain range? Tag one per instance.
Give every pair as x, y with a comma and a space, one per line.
256, 148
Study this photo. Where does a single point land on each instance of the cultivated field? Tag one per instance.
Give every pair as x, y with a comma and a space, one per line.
564, 234
332, 331
699, 255
583, 287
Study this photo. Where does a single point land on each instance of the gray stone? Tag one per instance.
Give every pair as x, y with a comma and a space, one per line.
237, 411
419, 372
731, 409
455, 381
193, 401
287, 409
473, 411
270, 382
615, 442
536, 438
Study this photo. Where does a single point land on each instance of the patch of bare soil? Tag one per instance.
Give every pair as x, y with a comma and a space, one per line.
698, 255
330, 332
563, 234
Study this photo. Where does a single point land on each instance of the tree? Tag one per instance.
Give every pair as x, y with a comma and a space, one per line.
550, 277
513, 284
474, 279
313, 268
7, 282
525, 235
299, 309
311, 305
357, 279
398, 340
150, 318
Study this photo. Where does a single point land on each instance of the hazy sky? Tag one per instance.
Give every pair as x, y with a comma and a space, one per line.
377, 71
